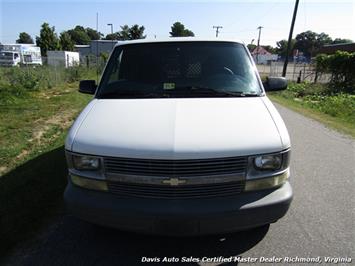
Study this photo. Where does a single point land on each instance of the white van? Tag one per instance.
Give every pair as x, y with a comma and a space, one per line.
180, 139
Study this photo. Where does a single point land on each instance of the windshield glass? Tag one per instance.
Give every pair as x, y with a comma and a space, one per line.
6, 55
179, 69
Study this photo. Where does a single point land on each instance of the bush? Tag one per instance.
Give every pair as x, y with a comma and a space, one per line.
73, 74
317, 96
23, 78
341, 66
300, 90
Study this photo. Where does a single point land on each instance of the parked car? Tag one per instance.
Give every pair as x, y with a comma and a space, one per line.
179, 139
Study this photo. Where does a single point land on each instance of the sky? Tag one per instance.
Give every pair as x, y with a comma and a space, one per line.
239, 19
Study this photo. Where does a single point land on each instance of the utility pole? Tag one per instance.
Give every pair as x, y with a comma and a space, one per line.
97, 48
217, 29
110, 24
290, 38
258, 47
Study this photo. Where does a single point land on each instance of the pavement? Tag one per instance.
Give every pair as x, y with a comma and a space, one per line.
319, 226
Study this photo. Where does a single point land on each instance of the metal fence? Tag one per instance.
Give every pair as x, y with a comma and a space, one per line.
295, 72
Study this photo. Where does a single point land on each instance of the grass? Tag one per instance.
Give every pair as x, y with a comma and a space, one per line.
33, 125
336, 111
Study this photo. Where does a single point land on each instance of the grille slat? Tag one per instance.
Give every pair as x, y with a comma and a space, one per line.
172, 163
172, 168
172, 171
239, 164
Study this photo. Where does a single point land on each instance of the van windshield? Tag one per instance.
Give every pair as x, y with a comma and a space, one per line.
179, 70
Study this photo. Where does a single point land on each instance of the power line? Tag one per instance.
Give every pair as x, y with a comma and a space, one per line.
217, 29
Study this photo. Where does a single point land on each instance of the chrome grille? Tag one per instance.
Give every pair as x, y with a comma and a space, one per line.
180, 192
175, 168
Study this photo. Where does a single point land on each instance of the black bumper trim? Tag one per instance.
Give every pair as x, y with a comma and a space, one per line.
179, 217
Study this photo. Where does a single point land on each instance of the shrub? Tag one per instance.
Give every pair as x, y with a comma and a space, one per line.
300, 90
341, 66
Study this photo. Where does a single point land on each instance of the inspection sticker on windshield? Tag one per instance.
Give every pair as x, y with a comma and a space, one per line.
168, 86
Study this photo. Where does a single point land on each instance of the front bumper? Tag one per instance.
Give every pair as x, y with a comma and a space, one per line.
179, 217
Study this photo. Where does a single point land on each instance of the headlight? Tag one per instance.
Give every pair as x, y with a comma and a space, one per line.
268, 162
84, 162
267, 170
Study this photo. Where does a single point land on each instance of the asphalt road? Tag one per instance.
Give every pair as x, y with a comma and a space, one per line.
320, 222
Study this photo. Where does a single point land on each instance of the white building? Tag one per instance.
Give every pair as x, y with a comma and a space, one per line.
262, 56
96, 47
63, 58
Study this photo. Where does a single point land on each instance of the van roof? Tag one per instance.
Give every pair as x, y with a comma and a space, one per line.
177, 39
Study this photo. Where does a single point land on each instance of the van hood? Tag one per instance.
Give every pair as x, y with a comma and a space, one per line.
176, 128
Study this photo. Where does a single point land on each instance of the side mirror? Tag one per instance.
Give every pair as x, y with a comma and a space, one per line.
87, 86
275, 84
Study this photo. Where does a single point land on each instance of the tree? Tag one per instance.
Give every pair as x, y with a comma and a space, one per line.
66, 41
93, 34
136, 32
310, 42
340, 40
281, 47
127, 33
270, 49
178, 30
48, 39
123, 34
79, 35
24, 38
251, 47
322, 39
112, 36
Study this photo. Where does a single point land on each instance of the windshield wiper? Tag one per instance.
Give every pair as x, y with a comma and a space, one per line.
217, 92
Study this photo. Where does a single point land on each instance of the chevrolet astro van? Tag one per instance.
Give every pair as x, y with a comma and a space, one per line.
179, 139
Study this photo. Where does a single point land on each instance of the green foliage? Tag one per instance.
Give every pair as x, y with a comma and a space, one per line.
320, 98
93, 34
79, 35
66, 42
340, 40
83, 36
15, 82
113, 36
270, 49
341, 66
24, 37
104, 57
127, 33
48, 39
251, 47
73, 74
136, 32
300, 90
178, 30
339, 105
281, 48
310, 42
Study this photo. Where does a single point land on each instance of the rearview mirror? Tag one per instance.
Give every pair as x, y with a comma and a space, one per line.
275, 84
87, 86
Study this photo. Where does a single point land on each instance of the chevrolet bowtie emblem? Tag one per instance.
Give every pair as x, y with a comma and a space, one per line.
174, 181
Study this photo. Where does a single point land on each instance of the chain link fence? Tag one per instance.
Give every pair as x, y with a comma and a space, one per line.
297, 72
